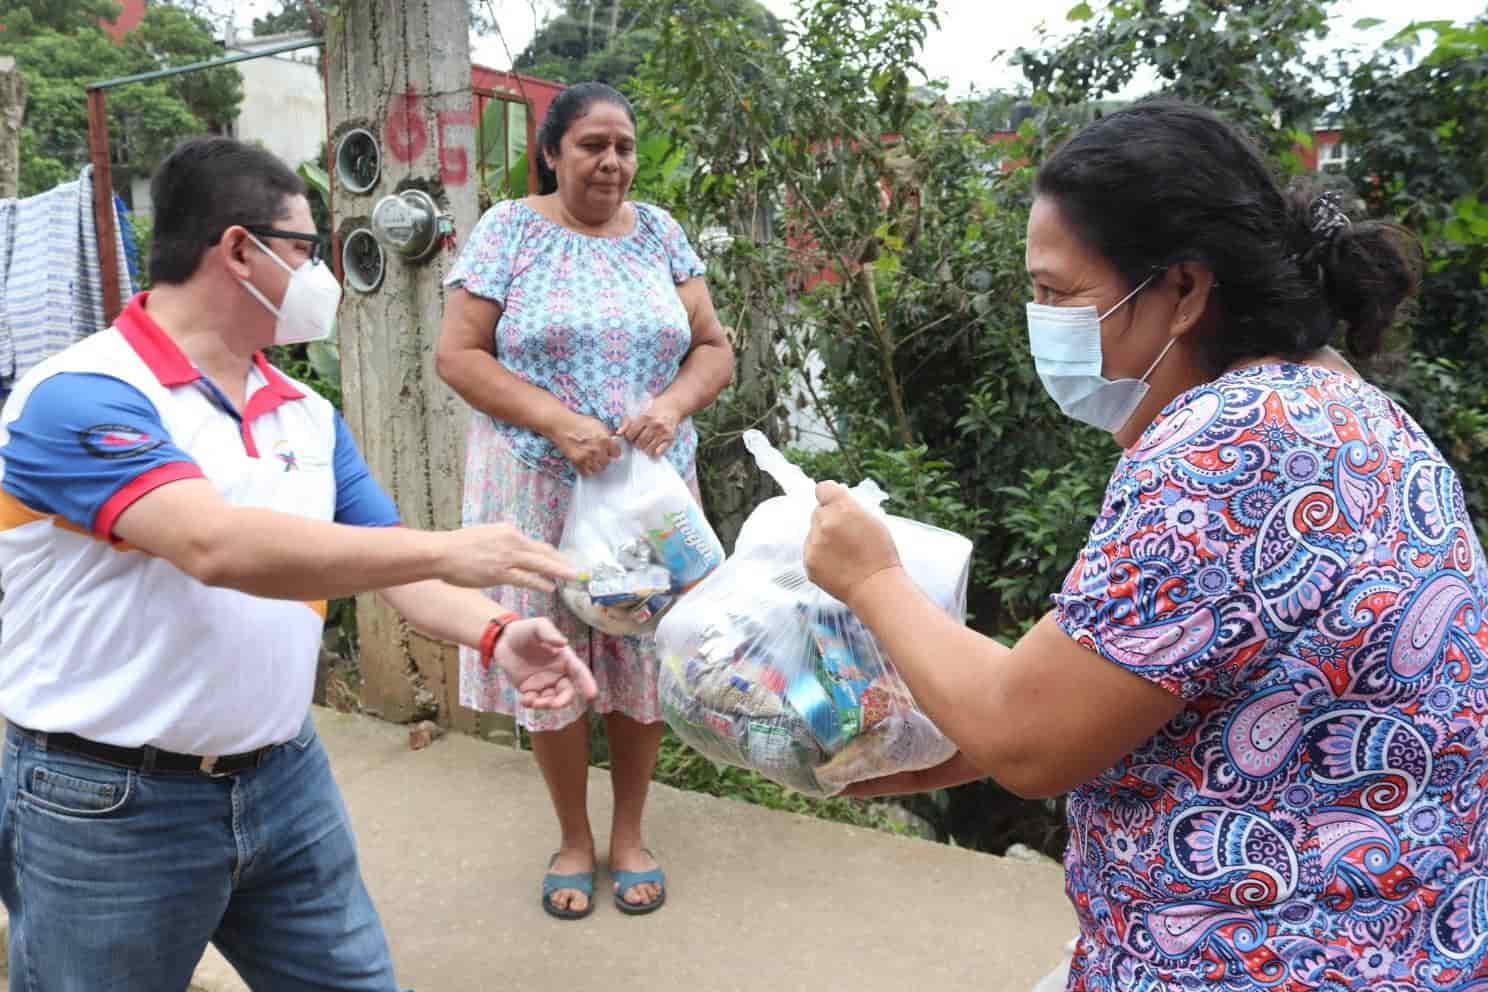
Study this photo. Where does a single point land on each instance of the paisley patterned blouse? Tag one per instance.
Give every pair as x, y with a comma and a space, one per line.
1286, 550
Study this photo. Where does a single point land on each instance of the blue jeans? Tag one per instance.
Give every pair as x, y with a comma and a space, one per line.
117, 880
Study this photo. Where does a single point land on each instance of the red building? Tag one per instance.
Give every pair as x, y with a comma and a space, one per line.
127, 21
1329, 152
509, 106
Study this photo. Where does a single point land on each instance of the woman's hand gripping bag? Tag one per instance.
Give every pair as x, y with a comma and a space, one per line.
639, 539
763, 670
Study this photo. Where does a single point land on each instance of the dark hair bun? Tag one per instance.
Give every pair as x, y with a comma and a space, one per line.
1364, 269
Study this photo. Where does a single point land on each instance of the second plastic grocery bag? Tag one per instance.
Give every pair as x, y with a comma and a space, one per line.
763, 670
640, 540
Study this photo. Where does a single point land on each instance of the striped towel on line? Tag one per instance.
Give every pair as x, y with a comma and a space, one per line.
51, 282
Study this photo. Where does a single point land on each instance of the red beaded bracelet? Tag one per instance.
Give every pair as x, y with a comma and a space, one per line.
492, 635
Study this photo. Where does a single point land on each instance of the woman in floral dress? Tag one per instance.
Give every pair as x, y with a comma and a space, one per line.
564, 308
1265, 682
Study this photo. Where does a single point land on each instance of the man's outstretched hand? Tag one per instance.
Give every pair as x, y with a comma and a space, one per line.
538, 660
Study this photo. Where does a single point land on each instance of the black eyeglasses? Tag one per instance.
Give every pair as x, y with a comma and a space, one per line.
317, 244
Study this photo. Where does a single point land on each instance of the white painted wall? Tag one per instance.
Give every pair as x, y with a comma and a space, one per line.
283, 107
139, 192
283, 101
806, 428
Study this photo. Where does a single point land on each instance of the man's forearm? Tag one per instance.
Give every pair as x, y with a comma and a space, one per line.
282, 556
960, 770
444, 612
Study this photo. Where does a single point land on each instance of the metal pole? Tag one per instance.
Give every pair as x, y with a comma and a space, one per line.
289, 46
103, 204
532, 150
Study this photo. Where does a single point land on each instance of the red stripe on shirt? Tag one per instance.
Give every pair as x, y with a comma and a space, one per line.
141, 485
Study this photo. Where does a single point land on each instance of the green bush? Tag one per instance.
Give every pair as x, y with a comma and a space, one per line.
680, 766
825, 157
1418, 140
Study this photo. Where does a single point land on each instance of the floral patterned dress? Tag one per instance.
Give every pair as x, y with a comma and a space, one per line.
597, 322
1286, 550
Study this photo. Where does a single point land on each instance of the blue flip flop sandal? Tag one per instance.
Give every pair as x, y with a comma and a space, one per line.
627, 880
583, 881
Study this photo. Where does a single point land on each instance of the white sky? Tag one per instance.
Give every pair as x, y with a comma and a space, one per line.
964, 51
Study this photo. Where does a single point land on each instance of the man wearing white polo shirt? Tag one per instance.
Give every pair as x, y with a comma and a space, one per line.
174, 512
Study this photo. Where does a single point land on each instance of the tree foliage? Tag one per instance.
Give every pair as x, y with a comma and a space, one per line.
60, 47
26, 17
290, 16
874, 273
828, 155
608, 39
830, 163
1418, 139
1245, 59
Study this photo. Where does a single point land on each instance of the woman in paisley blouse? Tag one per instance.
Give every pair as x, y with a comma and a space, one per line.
1265, 681
564, 308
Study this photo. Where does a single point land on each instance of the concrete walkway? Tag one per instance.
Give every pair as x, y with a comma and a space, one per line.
453, 840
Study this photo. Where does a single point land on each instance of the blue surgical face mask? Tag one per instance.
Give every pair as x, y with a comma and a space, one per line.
1066, 346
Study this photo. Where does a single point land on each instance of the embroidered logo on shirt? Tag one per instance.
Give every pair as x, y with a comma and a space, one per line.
285, 454
117, 441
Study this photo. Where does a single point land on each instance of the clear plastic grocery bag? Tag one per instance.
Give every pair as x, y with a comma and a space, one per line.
763, 670
639, 540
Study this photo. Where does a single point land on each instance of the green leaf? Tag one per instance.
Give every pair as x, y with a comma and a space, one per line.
325, 360
315, 177
1079, 12
516, 181
1365, 23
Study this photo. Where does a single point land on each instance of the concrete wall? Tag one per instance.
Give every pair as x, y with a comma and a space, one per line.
402, 71
139, 196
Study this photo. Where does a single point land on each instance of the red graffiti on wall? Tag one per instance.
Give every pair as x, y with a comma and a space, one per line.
406, 134
407, 137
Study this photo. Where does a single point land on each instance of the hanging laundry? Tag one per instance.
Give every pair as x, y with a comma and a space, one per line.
125, 227
7, 345
52, 292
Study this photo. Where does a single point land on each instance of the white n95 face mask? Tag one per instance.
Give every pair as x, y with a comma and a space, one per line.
1066, 346
308, 311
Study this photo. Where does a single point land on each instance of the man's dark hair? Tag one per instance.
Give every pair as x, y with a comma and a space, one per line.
1163, 182
206, 186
